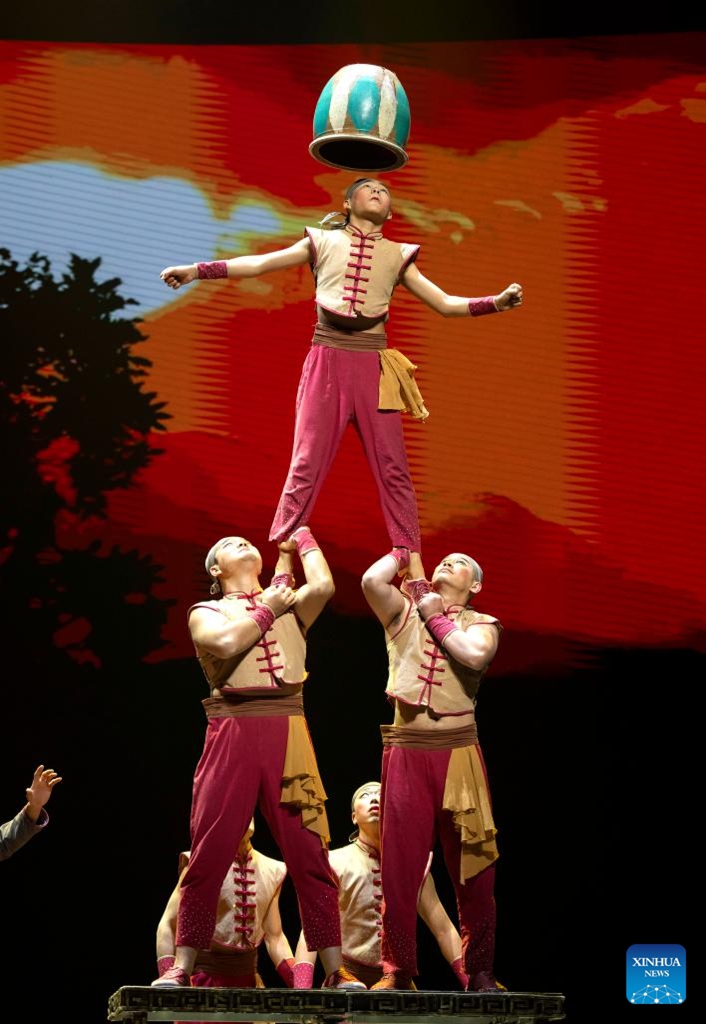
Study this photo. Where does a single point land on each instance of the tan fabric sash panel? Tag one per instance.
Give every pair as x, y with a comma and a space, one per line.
466, 797
301, 783
398, 388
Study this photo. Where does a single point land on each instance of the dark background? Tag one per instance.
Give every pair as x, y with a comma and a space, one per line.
590, 770
271, 22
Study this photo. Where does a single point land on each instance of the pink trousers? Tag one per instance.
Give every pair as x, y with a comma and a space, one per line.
338, 387
240, 768
412, 820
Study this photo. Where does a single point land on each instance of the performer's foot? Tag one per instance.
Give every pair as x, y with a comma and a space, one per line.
395, 980
483, 981
342, 978
175, 977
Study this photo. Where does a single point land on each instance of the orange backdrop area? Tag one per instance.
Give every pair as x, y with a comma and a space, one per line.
564, 444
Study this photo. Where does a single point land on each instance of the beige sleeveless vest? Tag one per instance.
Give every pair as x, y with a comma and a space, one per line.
277, 658
356, 274
245, 897
422, 674
359, 901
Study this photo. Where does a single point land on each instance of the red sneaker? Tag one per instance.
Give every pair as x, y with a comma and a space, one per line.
175, 977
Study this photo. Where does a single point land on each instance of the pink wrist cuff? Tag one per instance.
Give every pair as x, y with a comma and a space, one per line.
304, 539
401, 556
285, 969
481, 307
303, 974
440, 626
218, 268
164, 964
282, 579
263, 617
416, 589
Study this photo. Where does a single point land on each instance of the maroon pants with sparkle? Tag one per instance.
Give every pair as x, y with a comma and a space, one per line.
240, 768
412, 820
338, 387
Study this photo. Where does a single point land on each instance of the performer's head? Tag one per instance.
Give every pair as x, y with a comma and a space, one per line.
228, 555
365, 810
458, 572
368, 199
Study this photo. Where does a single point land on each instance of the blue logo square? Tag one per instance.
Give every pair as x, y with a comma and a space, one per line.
655, 975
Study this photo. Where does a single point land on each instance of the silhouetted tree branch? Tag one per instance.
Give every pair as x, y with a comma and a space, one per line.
77, 423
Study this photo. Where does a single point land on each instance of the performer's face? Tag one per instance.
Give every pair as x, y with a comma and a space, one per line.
458, 569
366, 809
235, 552
370, 201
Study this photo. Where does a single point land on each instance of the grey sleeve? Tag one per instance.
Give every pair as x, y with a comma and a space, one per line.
15, 833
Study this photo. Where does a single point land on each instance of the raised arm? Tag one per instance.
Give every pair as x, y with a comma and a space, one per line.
381, 593
213, 632
239, 266
311, 598
456, 305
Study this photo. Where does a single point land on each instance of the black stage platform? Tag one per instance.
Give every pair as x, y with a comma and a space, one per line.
136, 1005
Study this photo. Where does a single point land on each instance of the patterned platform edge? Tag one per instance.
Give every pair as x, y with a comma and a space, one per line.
138, 1004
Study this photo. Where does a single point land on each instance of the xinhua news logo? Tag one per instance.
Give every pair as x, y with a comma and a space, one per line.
655, 975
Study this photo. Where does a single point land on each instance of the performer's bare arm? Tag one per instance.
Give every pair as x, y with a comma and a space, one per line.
381, 593
475, 646
245, 266
312, 597
166, 929
213, 632
276, 941
453, 305
433, 913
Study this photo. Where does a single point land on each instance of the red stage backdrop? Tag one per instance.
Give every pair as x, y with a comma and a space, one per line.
564, 443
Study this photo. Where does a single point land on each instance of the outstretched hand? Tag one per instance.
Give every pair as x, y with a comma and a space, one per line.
175, 277
511, 297
43, 783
